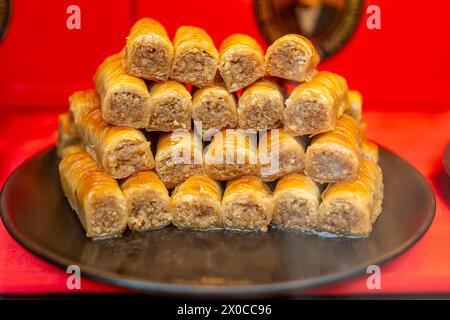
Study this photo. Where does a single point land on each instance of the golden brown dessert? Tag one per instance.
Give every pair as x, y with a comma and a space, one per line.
195, 57
334, 156
93, 195
247, 204
241, 61
296, 202
369, 150
292, 57
148, 201
125, 98
231, 154
261, 106
354, 105
178, 156
148, 52
67, 134
171, 107
314, 107
215, 108
351, 207
196, 203
279, 154
120, 151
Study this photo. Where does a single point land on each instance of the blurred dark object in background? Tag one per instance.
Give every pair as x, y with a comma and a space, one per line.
328, 23
5, 14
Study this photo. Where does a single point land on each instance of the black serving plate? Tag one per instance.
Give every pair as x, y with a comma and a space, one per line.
213, 263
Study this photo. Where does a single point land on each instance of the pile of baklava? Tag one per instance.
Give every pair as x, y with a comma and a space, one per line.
178, 132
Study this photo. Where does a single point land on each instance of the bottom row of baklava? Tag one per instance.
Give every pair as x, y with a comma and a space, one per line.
142, 202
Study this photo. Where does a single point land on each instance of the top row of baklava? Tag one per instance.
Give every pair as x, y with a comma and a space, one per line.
193, 58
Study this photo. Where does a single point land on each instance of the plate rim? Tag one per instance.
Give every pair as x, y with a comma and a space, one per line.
195, 290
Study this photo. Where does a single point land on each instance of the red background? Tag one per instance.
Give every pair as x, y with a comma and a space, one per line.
41, 61
402, 70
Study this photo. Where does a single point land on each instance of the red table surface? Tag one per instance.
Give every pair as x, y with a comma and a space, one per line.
419, 137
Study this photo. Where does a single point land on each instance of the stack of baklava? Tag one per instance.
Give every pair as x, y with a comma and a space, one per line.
177, 132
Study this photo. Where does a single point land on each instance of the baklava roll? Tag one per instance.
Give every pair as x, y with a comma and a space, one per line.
195, 57
74, 148
67, 135
261, 106
247, 204
196, 203
369, 150
296, 202
354, 105
314, 107
178, 156
125, 98
171, 107
231, 154
148, 52
148, 201
241, 61
93, 195
215, 108
351, 207
334, 156
120, 151
292, 57
279, 154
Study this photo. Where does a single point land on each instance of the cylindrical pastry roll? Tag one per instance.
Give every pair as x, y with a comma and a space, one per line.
178, 156
369, 150
296, 202
241, 61
195, 57
196, 203
247, 204
334, 156
148, 200
74, 148
120, 151
67, 135
351, 207
231, 154
314, 107
215, 108
171, 107
279, 154
149, 52
125, 98
261, 106
292, 57
354, 105
94, 195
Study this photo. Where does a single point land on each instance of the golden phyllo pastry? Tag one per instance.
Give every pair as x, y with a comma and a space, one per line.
296, 202
67, 134
369, 150
125, 98
178, 156
171, 107
247, 204
94, 195
215, 108
261, 106
292, 57
149, 52
74, 148
351, 207
334, 156
231, 154
241, 61
196, 203
354, 105
279, 154
314, 107
148, 201
120, 151
195, 58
